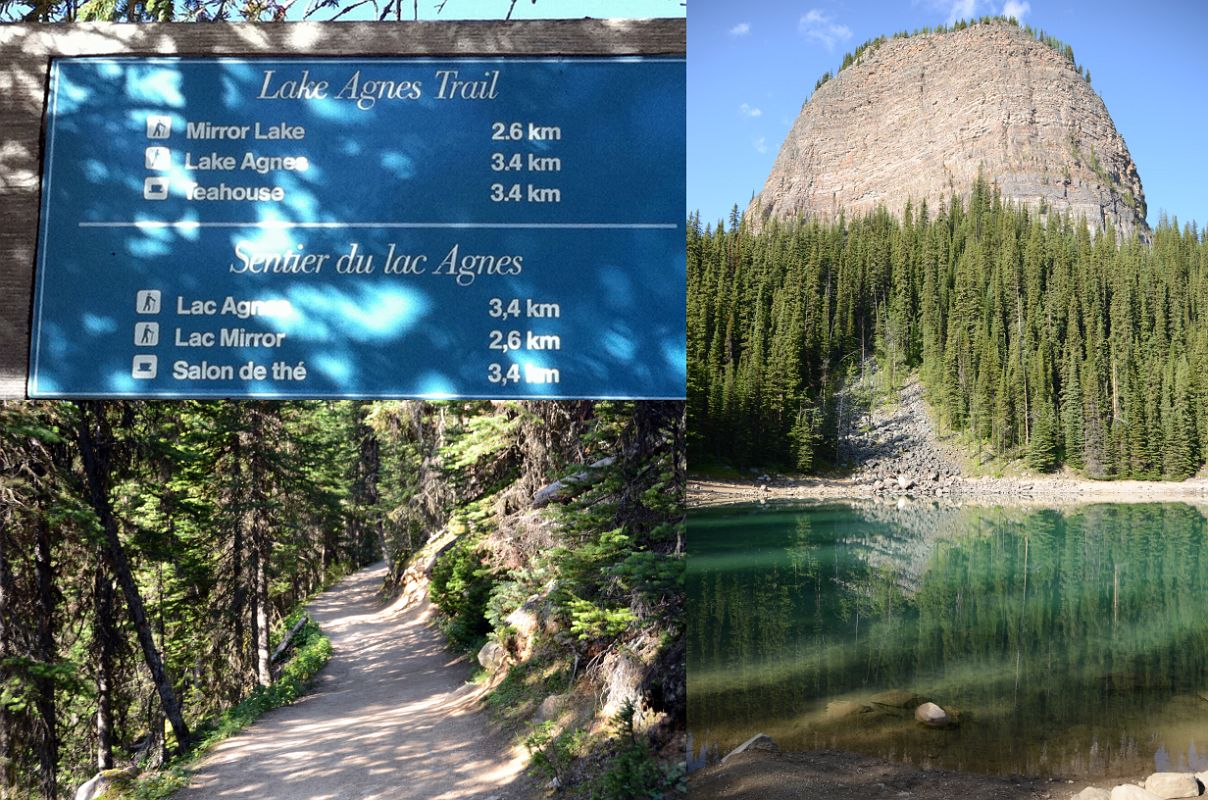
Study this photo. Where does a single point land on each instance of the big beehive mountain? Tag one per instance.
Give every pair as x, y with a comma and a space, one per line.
920, 117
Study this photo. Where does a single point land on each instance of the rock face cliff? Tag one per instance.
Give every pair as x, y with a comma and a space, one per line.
918, 118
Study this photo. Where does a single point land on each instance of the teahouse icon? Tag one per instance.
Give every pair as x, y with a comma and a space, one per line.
144, 367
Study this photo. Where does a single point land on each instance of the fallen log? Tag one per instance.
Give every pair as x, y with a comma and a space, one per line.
289, 638
565, 490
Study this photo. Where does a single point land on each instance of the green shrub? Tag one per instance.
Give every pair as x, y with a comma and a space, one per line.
634, 771
651, 574
590, 621
526, 684
460, 587
552, 755
311, 652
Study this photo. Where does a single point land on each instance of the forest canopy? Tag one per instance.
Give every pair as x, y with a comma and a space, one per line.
1031, 337
153, 555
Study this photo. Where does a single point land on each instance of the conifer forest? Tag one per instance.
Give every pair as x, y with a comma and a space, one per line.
155, 559
1032, 337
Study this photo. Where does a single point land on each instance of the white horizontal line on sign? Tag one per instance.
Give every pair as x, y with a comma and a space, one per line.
285, 224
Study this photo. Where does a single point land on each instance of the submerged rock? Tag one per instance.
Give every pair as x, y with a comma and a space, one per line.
932, 716
1172, 785
838, 709
896, 698
760, 741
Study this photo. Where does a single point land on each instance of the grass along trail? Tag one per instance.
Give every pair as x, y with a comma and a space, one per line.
391, 716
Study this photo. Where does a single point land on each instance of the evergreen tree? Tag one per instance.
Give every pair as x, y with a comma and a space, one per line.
1012, 319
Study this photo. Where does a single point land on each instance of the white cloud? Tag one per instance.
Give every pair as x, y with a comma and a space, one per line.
760, 143
969, 9
1016, 8
748, 110
741, 29
821, 27
961, 9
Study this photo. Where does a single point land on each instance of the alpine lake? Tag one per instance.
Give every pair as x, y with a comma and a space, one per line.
1068, 643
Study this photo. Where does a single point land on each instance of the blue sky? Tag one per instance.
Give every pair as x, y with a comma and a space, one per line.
751, 66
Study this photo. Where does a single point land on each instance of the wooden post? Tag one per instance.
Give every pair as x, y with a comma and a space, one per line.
26, 50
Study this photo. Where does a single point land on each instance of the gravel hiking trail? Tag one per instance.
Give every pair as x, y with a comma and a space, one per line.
390, 717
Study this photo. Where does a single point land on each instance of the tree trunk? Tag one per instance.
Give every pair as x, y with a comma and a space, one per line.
7, 773
264, 671
103, 598
48, 746
254, 602
238, 591
95, 456
371, 468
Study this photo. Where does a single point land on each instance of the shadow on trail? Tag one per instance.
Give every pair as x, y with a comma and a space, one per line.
391, 716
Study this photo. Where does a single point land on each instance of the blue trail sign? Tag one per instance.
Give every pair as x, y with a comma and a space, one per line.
335, 227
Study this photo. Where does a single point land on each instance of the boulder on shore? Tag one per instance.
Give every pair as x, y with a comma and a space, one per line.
1129, 791
1093, 793
1172, 785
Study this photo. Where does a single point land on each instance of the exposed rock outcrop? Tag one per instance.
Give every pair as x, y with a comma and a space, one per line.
918, 118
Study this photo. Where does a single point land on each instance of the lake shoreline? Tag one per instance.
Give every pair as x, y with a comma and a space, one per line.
1037, 490
770, 774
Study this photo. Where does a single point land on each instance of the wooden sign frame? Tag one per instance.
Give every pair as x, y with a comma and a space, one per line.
26, 51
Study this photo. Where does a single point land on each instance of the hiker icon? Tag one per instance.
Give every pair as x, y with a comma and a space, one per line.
147, 302
159, 127
158, 158
146, 334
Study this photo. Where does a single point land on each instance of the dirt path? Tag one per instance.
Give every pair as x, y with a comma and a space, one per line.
391, 717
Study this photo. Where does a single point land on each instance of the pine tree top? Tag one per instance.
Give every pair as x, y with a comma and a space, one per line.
871, 45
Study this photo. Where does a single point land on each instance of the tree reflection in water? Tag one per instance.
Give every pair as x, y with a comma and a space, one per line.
1073, 642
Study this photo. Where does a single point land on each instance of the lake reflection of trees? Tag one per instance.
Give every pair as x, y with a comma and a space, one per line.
1065, 637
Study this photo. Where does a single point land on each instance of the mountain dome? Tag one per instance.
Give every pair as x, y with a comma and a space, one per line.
919, 117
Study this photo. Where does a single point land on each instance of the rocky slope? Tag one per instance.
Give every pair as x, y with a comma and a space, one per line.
919, 117
894, 447
893, 453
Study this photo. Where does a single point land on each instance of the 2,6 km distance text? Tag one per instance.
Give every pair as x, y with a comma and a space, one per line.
511, 341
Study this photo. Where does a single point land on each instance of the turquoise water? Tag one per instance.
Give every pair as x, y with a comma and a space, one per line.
1072, 643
